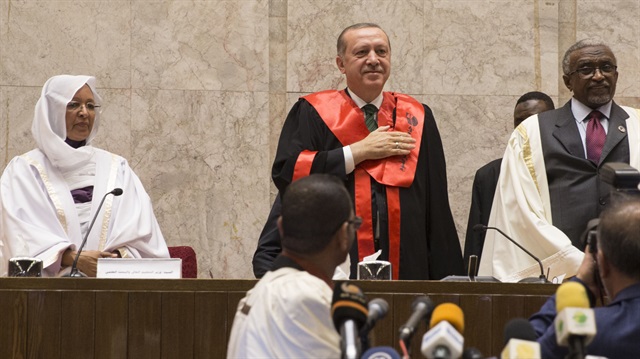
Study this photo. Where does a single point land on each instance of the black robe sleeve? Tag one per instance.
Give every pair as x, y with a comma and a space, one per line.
305, 130
445, 255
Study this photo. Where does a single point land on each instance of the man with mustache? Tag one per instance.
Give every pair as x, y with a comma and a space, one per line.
386, 148
549, 186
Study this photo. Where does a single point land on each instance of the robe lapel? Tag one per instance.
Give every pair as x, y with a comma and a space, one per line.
566, 131
617, 130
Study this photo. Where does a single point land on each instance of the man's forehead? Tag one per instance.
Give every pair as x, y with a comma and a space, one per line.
353, 36
529, 108
592, 53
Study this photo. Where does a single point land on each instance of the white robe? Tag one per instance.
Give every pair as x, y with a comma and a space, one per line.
286, 315
522, 209
38, 217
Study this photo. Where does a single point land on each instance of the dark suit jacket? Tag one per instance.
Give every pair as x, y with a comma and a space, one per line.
577, 193
269, 243
618, 327
484, 187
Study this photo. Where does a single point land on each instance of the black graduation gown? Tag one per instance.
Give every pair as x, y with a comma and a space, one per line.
484, 188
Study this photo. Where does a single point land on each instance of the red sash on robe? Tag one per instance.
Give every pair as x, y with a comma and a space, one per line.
346, 121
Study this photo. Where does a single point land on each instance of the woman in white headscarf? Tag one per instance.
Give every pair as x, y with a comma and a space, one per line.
49, 195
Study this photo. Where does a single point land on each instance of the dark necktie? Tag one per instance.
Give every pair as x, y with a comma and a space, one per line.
595, 137
370, 116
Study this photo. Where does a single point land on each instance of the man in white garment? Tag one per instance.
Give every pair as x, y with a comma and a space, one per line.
49, 195
287, 313
549, 185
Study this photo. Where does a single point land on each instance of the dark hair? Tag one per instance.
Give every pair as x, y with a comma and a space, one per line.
619, 235
342, 46
577, 46
313, 209
536, 95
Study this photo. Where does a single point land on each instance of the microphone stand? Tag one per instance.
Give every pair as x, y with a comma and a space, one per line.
74, 267
542, 278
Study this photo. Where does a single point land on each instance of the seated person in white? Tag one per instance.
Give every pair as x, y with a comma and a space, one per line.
49, 195
287, 314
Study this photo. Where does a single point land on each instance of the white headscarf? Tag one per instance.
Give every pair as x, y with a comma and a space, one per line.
49, 127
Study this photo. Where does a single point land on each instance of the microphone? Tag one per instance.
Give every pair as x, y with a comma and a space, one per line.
422, 307
472, 270
443, 340
472, 353
542, 279
381, 353
575, 323
520, 340
349, 312
74, 267
378, 309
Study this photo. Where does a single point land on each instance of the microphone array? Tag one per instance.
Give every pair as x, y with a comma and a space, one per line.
354, 318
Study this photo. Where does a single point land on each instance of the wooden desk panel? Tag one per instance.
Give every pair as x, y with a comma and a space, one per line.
144, 325
191, 318
112, 329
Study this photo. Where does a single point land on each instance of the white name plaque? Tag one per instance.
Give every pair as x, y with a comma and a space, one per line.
140, 268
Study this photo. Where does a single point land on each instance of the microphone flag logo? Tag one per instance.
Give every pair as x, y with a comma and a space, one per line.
580, 318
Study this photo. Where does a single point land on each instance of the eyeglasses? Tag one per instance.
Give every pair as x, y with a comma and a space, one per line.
589, 71
75, 106
356, 222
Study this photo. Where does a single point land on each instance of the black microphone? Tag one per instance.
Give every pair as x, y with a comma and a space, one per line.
74, 267
542, 278
472, 353
378, 309
349, 312
519, 328
422, 308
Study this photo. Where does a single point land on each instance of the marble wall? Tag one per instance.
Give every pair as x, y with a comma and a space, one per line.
195, 92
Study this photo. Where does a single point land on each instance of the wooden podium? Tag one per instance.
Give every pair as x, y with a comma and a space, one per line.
191, 318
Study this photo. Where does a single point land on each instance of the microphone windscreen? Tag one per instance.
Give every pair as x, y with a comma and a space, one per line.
448, 312
479, 227
117, 191
422, 300
472, 353
381, 353
349, 303
519, 328
571, 295
380, 305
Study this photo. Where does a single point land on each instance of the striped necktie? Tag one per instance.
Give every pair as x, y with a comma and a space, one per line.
370, 120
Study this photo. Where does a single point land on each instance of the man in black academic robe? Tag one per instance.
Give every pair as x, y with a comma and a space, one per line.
396, 172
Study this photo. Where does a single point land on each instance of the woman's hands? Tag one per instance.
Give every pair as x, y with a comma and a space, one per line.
88, 261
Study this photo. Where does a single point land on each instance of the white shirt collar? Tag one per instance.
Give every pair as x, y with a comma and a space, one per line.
581, 111
377, 102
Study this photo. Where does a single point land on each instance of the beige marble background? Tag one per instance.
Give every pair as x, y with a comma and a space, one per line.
196, 91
